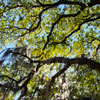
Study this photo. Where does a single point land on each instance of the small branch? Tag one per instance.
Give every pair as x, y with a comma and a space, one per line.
79, 26
23, 93
27, 80
9, 78
56, 22
57, 75
47, 88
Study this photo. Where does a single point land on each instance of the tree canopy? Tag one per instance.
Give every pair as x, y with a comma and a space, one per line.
45, 41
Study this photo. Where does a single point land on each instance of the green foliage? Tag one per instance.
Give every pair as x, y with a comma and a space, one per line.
49, 29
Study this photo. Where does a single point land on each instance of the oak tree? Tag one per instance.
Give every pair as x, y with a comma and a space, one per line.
45, 41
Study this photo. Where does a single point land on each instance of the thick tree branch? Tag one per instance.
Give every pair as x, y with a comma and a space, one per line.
63, 2
81, 61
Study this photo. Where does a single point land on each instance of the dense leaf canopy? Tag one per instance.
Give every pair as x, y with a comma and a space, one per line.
45, 41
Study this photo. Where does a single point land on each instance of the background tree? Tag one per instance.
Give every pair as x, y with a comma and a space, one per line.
47, 44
